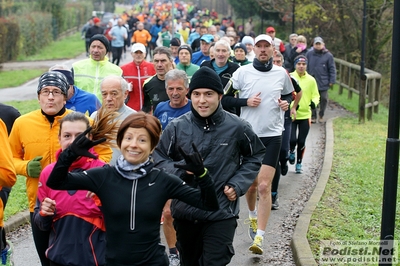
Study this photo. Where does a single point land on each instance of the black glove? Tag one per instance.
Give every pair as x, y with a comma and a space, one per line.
312, 105
82, 144
194, 162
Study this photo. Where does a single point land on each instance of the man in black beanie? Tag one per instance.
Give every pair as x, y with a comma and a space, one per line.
185, 61
88, 73
232, 154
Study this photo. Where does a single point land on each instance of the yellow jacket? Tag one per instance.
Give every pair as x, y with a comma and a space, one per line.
89, 73
32, 135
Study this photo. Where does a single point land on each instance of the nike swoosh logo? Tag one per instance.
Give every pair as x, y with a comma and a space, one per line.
150, 184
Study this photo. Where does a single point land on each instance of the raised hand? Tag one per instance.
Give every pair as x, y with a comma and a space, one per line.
82, 144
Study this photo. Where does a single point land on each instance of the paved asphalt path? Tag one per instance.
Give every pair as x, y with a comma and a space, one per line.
28, 90
277, 232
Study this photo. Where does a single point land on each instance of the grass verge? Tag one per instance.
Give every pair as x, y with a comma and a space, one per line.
14, 78
350, 208
68, 47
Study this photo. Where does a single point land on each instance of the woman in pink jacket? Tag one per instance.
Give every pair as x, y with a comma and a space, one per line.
74, 218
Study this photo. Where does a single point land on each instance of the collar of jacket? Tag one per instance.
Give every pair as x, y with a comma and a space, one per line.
208, 123
101, 62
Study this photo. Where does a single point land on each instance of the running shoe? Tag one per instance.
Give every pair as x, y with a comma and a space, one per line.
292, 157
252, 222
256, 247
298, 168
275, 202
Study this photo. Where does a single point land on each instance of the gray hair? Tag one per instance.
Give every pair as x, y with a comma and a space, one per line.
224, 43
163, 50
277, 53
293, 35
176, 74
125, 86
59, 67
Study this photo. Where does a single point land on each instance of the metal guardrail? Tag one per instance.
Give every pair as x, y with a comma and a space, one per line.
368, 87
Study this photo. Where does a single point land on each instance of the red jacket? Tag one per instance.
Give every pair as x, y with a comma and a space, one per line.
136, 75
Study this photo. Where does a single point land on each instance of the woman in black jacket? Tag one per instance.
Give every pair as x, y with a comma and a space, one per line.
133, 192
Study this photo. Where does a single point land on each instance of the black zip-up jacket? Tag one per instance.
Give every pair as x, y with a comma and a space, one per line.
131, 208
231, 152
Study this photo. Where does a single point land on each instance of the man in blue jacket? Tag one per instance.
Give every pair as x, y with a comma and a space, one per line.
321, 66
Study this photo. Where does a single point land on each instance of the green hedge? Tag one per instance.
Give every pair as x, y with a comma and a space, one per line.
9, 35
28, 31
36, 32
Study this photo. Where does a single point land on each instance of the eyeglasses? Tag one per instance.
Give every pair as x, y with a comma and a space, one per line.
54, 92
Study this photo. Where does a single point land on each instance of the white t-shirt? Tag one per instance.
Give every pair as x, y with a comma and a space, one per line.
267, 119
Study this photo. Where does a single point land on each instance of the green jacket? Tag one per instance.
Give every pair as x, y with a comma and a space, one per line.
167, 36
89, 73
188, 69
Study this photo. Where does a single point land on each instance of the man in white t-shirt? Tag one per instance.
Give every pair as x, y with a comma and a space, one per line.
264, 92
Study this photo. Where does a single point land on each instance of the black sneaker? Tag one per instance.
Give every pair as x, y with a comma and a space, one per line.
284, 169
275, 203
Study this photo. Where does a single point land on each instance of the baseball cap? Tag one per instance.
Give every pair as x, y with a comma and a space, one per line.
263, 37
138, 47
270, 29
318, 40
208, 38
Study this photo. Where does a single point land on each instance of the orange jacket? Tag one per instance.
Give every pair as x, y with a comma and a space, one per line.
32, 135
7, 169
141, 36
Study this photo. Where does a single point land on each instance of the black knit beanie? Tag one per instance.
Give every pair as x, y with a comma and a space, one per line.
240, 45
102, 39
205, 77
53, 78
185, 47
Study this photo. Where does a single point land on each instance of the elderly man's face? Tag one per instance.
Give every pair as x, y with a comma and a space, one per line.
111, 92
221, 54
176, 92
138, 57
52, 103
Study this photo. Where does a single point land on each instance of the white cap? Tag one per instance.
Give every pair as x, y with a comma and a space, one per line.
138, 47
263, 37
